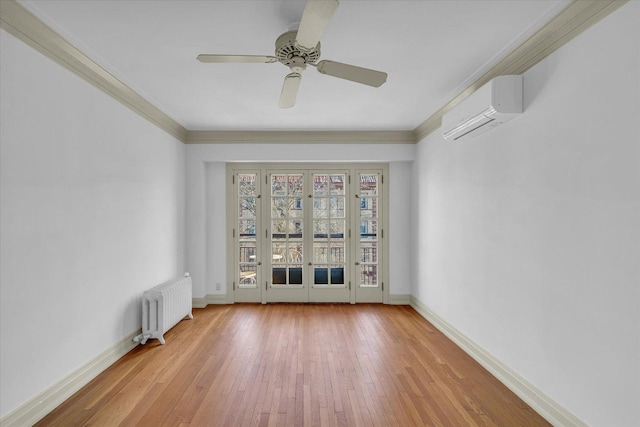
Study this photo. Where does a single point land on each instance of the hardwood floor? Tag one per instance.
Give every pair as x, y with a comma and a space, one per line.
297, 365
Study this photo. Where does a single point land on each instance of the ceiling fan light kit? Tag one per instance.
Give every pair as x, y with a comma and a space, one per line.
298, 48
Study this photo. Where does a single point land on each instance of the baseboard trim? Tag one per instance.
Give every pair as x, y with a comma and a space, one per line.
209, 299
216, 299
400, 299
199, 302
540, 402
45, 402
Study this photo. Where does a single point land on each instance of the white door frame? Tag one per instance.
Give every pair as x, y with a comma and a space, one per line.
263, 270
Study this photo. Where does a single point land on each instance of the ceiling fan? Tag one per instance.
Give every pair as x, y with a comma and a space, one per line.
298, 48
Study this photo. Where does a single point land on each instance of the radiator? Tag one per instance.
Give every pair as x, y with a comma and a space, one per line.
163, 307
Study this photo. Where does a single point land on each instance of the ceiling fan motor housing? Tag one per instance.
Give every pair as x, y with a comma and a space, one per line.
299, 47
291, 55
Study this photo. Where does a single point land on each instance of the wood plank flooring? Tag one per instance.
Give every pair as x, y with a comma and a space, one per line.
297, 365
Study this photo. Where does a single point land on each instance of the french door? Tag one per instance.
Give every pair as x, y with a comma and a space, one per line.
369, 236
301, 233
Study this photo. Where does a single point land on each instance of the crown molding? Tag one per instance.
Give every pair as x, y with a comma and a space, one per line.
25, 26
567, 24
297, 137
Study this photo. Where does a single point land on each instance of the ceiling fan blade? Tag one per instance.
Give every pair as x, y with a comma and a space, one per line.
351, 72
289, 90
315, 19
239, 59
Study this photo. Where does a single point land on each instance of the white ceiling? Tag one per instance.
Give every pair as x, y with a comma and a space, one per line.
430, 49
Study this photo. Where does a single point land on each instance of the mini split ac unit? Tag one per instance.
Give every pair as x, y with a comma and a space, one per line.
497, 102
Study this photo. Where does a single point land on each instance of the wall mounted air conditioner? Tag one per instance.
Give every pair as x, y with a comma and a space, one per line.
496, 102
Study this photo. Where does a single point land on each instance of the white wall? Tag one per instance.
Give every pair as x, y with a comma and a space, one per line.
92, 213
400, 220
529, 235
206, 204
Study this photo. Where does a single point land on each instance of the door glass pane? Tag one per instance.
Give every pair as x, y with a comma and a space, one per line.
337, 229
295, 253
368, 252
246, 225
278, 252
337, 184
321, 276
337, 275
368, 275
337, 252
279, 229
247, 184
295, 209
295, 185
320, 229
279, 276
337, 207
368, 185
279, 208
247, 229
368, 229
369, 201
295, 229
278, 185
247, 207
320, 253
247, 276
295, 275
320, 185
320, 208
247, 264
287, 225
329, 229
366, 207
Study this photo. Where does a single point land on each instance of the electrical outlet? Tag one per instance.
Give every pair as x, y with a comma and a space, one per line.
218, 286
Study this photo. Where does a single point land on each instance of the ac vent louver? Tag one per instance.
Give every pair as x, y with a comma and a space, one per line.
495, 103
